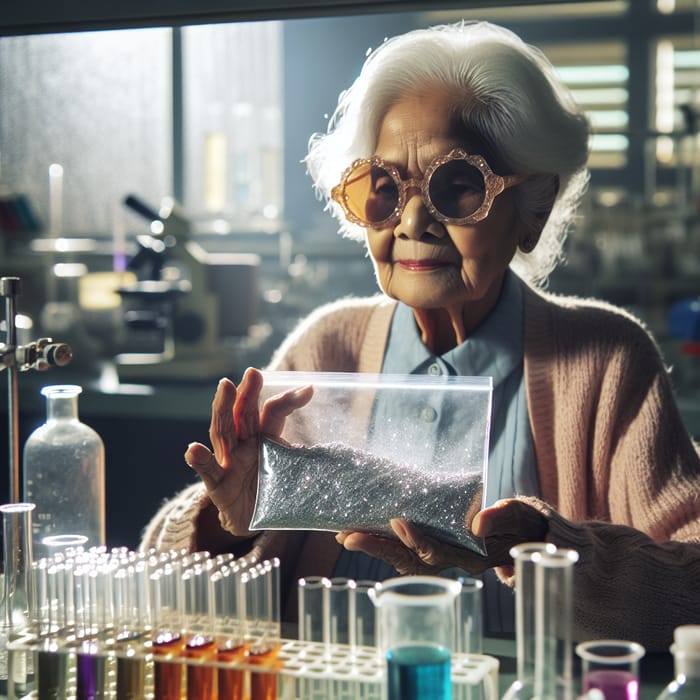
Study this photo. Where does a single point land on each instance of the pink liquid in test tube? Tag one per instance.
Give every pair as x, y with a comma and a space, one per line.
615, 684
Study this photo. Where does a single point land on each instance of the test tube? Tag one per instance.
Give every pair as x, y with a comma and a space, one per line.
198, 597
261, 596
230, 631
199, 621
363, 615
19, 595
18, 583
52, 656
90, 664
338, 597
468, 630
129, 629
363, 642
52, 671
41, 610
553, 594
311, 628
524, 557
168, 642
310, 604
336, 610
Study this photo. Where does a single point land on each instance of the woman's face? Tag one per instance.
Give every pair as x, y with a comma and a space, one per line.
420, 261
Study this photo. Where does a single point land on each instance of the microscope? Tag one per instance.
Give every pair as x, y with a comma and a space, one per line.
177, 315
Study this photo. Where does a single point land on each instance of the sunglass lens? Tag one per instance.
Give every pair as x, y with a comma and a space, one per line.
371, 193
457, 189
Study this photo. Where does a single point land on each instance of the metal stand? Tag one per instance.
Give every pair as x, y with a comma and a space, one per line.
39, 354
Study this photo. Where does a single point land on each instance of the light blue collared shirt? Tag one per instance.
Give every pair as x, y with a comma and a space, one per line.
494, 349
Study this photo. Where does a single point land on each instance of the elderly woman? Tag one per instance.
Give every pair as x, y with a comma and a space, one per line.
458, 158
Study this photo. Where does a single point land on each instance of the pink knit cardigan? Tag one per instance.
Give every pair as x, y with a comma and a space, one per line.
619, 474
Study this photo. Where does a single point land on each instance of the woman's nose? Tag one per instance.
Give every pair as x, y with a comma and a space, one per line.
415, 219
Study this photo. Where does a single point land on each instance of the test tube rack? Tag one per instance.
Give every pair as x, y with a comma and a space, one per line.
96, 634
301, 671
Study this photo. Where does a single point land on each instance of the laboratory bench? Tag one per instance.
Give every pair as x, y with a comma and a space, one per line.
146, 429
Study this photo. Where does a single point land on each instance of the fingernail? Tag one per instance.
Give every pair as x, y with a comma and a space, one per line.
397, 527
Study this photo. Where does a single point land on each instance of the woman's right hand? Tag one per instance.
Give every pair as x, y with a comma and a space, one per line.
230, 472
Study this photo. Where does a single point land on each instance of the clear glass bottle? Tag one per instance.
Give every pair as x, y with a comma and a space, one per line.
64, 475
686, 656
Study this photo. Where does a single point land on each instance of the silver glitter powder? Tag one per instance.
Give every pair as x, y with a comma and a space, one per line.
336, 487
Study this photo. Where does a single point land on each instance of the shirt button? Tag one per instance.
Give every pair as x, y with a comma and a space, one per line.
428, 414
435, 370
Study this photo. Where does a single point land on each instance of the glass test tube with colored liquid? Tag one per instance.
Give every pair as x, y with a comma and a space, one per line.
168, 641
199, 626
611, 666
230, 629
261, 593
131, 623
52, 656
91, 662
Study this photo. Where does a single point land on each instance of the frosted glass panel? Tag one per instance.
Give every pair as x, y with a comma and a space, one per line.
97, 103
233, 122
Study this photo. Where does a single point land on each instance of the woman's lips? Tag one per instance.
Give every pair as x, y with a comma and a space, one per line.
423, 265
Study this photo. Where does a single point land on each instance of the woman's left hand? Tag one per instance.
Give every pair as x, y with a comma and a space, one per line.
507, 523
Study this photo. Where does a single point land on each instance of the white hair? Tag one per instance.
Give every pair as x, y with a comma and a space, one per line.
505, 91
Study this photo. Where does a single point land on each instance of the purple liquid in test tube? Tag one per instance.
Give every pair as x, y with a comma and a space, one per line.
90, 677
614, 684
611, 666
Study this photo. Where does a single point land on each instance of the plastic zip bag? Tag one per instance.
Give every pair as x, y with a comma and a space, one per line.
368, 448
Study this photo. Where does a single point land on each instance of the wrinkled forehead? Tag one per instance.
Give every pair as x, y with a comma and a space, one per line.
436, 115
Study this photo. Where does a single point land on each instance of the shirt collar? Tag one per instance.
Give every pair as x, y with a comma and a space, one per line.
494, 349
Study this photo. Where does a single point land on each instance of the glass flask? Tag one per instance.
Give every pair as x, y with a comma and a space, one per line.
416, 633
64, 475
686, 657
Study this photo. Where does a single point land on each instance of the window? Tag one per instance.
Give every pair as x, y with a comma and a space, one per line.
97, 104
100, 105
233, 123
677, 119
597, 74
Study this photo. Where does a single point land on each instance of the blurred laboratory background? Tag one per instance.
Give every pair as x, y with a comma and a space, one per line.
154, 203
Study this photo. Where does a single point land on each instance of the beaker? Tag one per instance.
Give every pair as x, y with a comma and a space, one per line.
416, 633
611, 665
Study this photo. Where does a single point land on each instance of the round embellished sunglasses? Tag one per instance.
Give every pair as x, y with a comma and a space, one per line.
457, 189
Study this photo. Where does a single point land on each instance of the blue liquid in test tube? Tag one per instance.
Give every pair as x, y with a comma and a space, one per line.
419, 673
